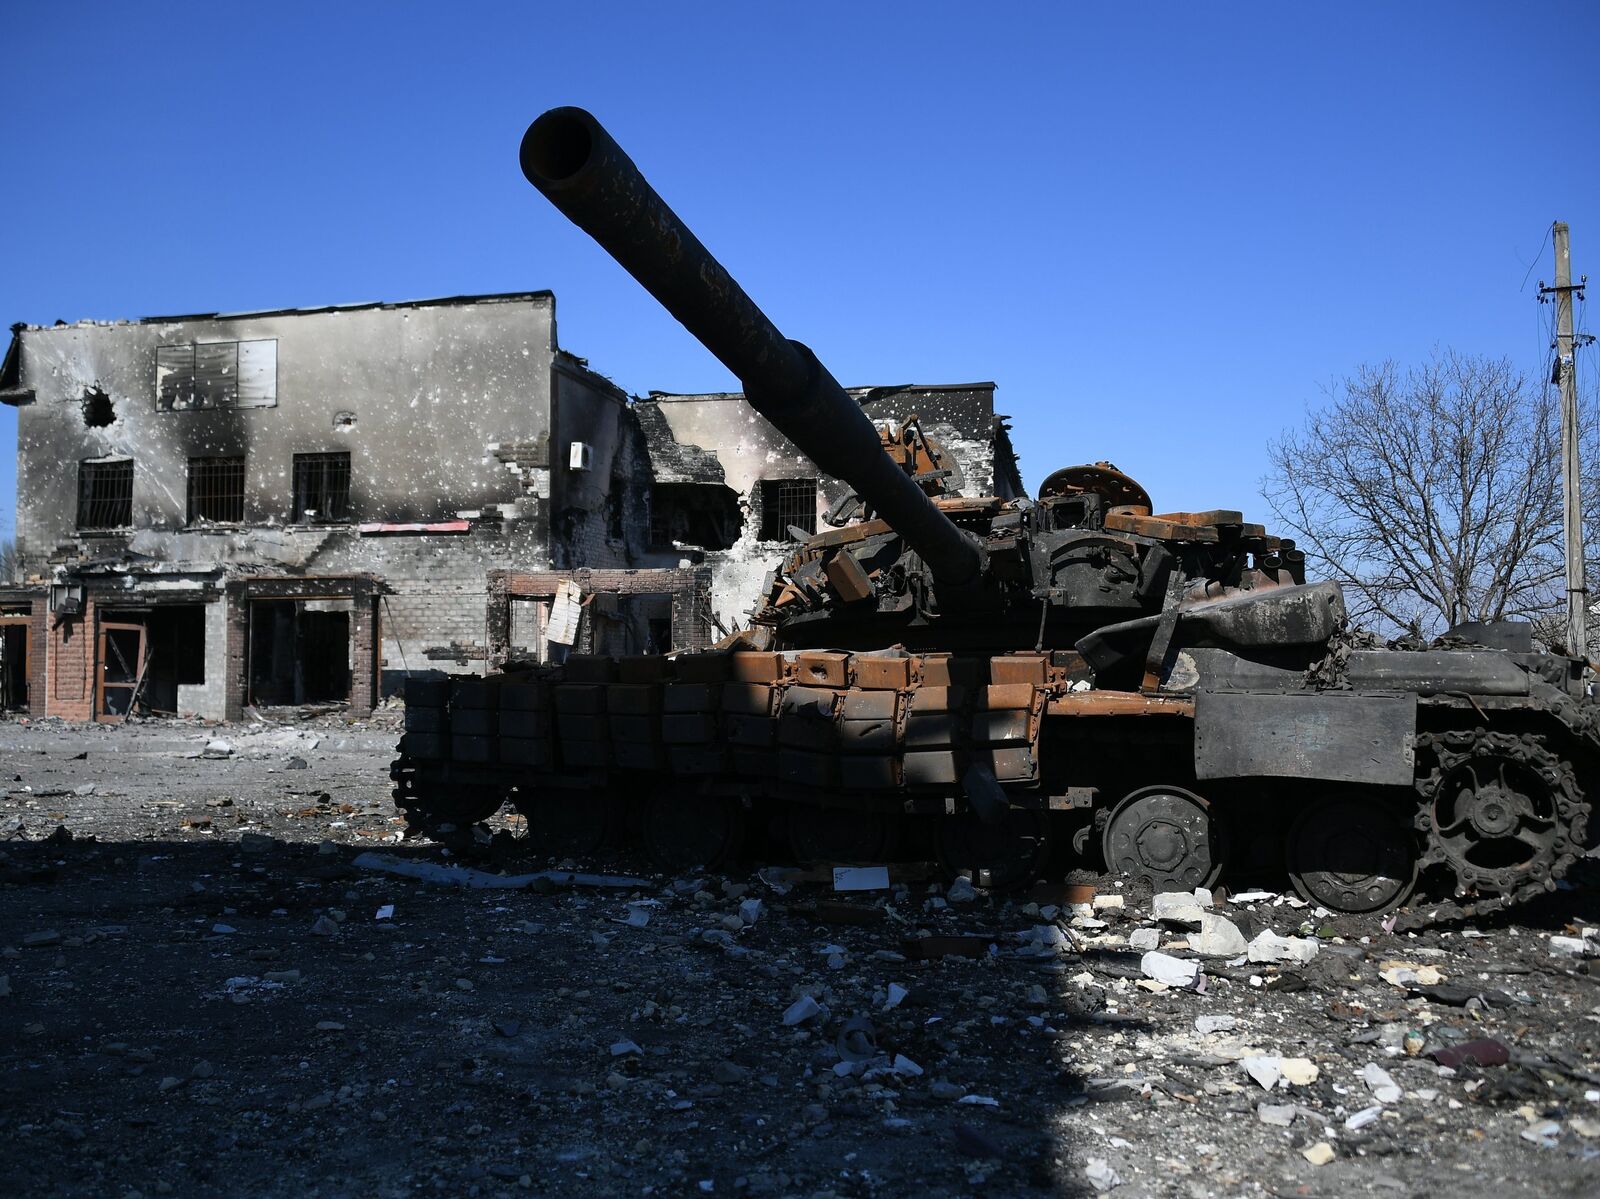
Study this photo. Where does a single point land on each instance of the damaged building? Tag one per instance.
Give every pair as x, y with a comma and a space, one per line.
725, 496
308, 506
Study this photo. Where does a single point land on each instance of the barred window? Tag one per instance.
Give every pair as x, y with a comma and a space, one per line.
321, 488
787, 503
105, 494
216, 490
217, 374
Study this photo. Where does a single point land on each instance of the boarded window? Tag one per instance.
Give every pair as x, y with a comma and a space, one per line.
216, 490
105, 494
321, 488
217, 374
786, 504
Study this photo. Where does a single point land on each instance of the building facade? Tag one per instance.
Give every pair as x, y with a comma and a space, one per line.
287, 507
308, 506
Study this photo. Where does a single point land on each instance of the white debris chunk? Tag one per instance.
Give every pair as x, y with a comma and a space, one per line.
801, 1010
1163, 967
1380, 1083
1219, 937
1176, 907
1365, 1116
1279, 1115
1144, 939
1269, 947
1206, 1025
1100, 1174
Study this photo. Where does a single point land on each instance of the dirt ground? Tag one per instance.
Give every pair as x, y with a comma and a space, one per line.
202, 994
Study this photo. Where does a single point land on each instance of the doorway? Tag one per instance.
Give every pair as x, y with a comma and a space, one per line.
14, 663
299, 652
122, 664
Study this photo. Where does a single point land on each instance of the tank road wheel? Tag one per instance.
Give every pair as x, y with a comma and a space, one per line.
1167, 836
428, 808
1352, 853
569, 824
1499, 810
687, 830
838, 834
1002, 856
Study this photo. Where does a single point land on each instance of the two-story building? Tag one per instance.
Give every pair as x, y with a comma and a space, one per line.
307, 506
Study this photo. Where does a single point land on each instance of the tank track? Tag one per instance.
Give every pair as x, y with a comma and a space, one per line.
1480, 891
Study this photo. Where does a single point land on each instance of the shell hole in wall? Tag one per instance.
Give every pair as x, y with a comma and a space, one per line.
98, 411
344, 420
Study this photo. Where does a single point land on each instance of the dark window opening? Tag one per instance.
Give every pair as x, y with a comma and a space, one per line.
98, 411
216, 490
705, 515
217, 374
105, 494
321, 488
299, 652
785, 504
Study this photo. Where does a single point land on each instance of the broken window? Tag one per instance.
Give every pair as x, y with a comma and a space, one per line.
217, 374
321, 488
216, 490
699, 514
105, 494
785, 504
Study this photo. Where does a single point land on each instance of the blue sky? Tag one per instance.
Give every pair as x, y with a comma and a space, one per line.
1161, 228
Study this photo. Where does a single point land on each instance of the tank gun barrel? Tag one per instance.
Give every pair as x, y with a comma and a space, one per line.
575, 163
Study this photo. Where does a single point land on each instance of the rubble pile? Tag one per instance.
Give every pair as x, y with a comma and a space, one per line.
215, 981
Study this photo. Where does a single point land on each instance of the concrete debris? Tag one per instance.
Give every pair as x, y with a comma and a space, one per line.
1178, 908
1367, 1115
1380, 1083
1164, 968
802, 1009
1108, 903
1269, 1071
462, 876
1100, 1175
857, 1040
1144, 939
41, 940
1279, 1115
1545, 1134
324, 927
1208, 1025
1269, 947
1218, 937
217, 747
1319, 1154
961, 890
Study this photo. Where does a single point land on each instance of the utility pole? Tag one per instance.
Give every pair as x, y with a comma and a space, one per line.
1565, 374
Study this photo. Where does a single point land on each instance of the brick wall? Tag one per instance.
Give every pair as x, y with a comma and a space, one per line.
70, 665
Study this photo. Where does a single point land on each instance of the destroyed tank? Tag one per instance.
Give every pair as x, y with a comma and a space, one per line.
1016, 688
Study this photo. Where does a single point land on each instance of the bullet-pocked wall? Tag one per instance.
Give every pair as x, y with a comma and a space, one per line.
408, 441
745, 484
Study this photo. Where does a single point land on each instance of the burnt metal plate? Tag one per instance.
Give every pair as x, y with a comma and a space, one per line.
1341, 736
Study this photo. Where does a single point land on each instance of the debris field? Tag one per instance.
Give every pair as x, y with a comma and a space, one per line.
224, 973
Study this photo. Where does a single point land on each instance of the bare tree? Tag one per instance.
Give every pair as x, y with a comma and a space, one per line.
1432, 493
8, 560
